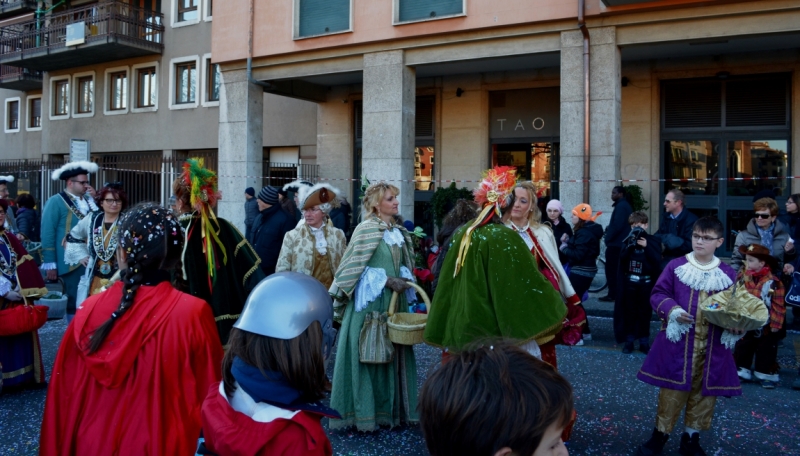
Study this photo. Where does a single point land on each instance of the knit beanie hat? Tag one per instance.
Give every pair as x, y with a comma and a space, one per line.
555, 204
584, 212
268, 195
250, 191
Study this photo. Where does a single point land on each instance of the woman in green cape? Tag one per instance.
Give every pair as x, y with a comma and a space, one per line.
490, 285
377, 262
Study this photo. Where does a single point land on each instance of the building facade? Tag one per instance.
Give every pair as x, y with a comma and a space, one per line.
698, 95
134, 78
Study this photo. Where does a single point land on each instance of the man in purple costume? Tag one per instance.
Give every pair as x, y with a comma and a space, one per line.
691, 360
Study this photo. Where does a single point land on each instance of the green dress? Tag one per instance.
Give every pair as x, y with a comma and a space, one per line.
372, 395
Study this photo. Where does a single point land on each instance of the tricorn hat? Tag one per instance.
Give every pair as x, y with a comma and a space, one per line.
6, 179
73, 169
760, 252
319, 195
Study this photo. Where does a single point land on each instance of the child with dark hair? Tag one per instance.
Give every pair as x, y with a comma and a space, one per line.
273, 374
691, 360
639, 266
495, 400
136, 362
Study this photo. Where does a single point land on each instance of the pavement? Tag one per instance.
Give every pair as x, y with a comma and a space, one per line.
615, 411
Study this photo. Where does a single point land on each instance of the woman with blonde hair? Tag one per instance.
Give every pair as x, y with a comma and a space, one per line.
524, 219
377, 262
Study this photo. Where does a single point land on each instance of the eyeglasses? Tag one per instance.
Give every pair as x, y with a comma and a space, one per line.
763, 216
702, 239
668, 201
84, 183
112, 201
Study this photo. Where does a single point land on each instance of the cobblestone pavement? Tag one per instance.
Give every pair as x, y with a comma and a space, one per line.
615, 411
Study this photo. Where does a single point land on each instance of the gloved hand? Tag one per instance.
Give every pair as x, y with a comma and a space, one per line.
397, 284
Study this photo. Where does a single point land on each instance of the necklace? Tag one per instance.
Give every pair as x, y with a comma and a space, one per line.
105, 244
8, 267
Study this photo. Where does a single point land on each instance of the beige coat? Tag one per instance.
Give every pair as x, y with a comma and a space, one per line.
297, 252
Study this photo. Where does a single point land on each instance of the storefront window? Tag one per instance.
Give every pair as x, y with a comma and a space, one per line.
762, 165
692, 160
423, 168
534, 162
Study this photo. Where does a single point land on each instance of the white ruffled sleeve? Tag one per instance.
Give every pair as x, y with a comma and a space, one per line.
411, 293
676, 329
5, 286
729, 339
74, 252
369, 287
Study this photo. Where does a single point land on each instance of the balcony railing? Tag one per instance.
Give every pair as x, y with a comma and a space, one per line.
112, 31
10, 8
16, 78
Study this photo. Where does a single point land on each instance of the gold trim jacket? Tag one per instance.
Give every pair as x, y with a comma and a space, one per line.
297, 251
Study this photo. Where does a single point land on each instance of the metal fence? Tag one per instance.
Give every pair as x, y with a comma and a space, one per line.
145, 176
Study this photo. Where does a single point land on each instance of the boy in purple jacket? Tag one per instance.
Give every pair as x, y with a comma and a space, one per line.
691, 360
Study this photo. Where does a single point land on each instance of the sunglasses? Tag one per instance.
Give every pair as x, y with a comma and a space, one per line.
763, 216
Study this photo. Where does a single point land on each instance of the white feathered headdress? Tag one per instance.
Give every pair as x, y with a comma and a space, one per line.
6, 179
73, 169
322, 195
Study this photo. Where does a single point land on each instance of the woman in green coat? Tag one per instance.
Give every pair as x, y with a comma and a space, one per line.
377, 262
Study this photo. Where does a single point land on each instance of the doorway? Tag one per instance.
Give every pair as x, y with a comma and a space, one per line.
536, 160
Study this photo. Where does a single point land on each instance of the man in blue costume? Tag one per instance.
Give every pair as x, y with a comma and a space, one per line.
61, 213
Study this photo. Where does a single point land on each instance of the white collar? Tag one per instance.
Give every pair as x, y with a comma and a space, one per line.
258, 411
514, 227
707, 277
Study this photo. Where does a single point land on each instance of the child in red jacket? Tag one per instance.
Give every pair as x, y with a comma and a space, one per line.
274, 373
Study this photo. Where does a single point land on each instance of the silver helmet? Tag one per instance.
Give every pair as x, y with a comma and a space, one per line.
284, 304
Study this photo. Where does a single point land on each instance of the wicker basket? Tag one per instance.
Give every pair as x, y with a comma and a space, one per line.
407, 328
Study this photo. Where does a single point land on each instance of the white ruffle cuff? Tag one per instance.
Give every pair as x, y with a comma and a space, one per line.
729, 339
5, 286
370, 286
676, 329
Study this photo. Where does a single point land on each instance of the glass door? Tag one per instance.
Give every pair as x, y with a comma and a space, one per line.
536, 160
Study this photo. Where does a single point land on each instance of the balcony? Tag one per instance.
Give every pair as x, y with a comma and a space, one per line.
16, 78
98, 33
9, 8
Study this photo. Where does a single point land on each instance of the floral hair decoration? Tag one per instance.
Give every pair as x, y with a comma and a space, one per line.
493, 194
203, 196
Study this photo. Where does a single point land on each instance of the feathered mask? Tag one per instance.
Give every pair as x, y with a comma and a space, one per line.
203, 195
493, 194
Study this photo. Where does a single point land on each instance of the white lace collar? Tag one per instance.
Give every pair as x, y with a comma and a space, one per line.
393, 236
707, 277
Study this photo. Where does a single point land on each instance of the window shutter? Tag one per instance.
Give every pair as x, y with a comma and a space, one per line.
693, 105
36, 107
756, 103
424, 118
318, 17
412, 10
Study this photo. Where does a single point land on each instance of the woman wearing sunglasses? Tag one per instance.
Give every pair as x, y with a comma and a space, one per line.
763, 229
93, 241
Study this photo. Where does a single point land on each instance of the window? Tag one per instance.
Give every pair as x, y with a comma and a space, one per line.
146, 84
187, 10
214, 80
425, 10
61, 98
85, 94
185, 82
12, 115
209, 10
35, 113
118, 84
322, 17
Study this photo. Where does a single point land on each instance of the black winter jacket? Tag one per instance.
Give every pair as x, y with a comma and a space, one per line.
583, 249
267, 233
669, 229
558, 232
28, 223
618, 227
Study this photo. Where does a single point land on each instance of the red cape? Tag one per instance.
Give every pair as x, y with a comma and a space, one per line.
231, 433
141, 392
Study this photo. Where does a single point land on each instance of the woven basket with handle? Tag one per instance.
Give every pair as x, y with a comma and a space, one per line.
407, 328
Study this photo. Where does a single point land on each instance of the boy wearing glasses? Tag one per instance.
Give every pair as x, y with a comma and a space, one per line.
764, 229
688, 361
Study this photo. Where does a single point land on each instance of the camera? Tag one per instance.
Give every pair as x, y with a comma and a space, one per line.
634, 236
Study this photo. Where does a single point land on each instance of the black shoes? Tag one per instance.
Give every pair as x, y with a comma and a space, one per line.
627, 348
607, 298
690, 446
655, 445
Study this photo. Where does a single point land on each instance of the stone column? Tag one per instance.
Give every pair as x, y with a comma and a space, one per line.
605, 108
241, 152
335, 141
389, 108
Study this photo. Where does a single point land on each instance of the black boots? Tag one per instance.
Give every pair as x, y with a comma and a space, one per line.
690, 446
655, 445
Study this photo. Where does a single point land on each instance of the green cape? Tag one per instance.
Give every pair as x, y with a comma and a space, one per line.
499, 292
